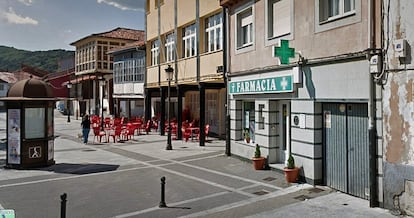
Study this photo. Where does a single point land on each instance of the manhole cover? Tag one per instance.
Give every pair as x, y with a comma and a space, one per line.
261, 192
302, 197
86, 150
315, 190
269, 179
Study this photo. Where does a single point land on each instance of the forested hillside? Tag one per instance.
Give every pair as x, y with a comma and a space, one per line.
11, 58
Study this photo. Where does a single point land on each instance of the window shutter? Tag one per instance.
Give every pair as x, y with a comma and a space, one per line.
281, 18
246, 20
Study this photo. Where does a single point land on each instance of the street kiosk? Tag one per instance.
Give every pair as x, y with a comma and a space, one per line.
30, 127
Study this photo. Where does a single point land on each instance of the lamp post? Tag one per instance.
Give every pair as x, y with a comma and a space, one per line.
169, 70
101, 84
69, 86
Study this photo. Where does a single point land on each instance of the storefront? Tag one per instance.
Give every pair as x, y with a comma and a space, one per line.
260, 109
283, 110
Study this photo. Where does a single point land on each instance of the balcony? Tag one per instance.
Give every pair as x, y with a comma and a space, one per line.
228, 3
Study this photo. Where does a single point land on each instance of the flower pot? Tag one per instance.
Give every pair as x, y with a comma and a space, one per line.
247, 140
291, 175
258, 163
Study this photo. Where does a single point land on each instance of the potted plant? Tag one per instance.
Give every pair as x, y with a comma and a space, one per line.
291, 171
247, 135
258, 160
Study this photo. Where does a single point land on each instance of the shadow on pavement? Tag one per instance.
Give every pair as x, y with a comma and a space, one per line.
80, 169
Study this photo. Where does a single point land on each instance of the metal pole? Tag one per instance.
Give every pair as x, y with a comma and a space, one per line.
102, 115
68, 105
68, 109
63, 205
169, 146
162, 202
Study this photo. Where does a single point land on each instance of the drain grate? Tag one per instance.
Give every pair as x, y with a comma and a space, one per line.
261, 192
183, 147
269, 179
315, 190
302, 197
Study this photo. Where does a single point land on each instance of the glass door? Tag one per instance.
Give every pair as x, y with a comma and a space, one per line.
284, 131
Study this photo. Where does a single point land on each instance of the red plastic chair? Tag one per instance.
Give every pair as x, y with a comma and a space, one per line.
98, 134
117, 121
155, 125
116, 134
186, 133
107, 121
174, 130
130, 131
148, 127
206, 131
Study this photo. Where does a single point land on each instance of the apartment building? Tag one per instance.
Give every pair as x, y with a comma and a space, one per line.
300, 83
93, 80
187, 36
128, 78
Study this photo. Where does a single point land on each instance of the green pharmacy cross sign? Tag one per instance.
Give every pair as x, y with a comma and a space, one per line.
284, 52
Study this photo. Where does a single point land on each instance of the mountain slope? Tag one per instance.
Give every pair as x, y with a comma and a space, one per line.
11, 58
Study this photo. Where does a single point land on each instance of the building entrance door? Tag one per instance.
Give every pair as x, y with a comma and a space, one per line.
283, 126
346, 148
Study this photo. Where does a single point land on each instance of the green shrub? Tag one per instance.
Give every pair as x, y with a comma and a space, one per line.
291, 162
257, 153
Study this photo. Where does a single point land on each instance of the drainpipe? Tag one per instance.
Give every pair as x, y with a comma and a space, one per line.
372, 129
226, 79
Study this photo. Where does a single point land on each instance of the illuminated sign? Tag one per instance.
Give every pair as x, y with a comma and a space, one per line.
277, 84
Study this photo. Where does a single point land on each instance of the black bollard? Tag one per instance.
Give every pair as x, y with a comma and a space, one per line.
63, 205
162, 202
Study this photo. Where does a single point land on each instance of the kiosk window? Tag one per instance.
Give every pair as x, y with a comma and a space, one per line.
34, 123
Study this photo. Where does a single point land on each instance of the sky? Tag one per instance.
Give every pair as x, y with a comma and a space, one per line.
39, 25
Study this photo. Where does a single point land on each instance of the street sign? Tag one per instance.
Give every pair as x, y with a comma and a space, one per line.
277, 84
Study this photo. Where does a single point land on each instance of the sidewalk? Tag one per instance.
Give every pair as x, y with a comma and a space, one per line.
273, 198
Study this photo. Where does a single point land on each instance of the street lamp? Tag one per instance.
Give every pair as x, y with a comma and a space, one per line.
69, 86
101, 84
169, 70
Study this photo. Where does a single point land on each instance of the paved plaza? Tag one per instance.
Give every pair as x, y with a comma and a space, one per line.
123, 180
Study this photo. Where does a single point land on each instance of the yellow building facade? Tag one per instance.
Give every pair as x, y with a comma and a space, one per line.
186, 35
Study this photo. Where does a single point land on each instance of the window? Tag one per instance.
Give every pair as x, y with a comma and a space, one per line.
261, 117
169, 48
214, 35
34, 115
248, 119
155, 52
278, 18
333, 9
189, 41
129, 70
245, 28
